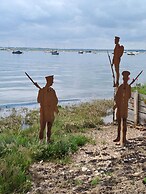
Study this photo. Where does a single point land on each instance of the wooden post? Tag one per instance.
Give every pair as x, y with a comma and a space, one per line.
135, 108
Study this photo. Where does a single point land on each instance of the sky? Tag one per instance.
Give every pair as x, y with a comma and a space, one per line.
73, 23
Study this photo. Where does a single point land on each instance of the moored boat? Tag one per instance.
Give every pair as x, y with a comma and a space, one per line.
81, 52
55, 53
130, 53
17, 52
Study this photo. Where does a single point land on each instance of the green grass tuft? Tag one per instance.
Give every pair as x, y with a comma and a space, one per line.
140, 88
95, 181
144, 181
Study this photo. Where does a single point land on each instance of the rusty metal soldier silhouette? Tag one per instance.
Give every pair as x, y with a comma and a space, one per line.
48, 106
118, 52
122, 97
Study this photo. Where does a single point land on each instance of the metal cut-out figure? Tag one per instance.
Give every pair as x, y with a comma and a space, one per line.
48, 106
118, 52
122, 97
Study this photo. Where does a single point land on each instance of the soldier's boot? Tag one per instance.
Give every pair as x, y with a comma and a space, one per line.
41, 135
118, 131
118, 136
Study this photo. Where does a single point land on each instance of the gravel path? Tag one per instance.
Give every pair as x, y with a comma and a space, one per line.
102, 168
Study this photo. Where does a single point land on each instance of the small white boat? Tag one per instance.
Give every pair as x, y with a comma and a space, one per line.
130, 53
80, 52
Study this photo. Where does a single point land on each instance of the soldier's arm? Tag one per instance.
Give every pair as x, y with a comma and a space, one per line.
117, 96
55, 97
39, 96
55, 102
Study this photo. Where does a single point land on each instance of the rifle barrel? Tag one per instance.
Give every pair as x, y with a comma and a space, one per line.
111, 67
29, 77
33, 81
136, 78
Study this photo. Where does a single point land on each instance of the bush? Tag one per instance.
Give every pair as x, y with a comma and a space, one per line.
59, 149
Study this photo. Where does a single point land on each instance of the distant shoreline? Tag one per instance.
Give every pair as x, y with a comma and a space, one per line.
65, 49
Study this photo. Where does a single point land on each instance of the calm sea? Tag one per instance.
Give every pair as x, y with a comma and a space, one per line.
78, 77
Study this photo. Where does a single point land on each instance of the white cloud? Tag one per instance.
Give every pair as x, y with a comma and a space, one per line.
74, 23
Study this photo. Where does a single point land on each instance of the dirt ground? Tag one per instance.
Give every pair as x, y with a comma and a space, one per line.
101, 168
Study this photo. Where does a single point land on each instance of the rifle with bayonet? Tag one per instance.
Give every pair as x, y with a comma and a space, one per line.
130, 85
135, 78
113, 80
111, 68
35, 83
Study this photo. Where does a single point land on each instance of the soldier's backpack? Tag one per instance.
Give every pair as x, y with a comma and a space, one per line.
121, 50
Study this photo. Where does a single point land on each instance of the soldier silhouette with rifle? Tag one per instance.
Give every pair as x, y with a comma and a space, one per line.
118, 52
122, 97
48, 106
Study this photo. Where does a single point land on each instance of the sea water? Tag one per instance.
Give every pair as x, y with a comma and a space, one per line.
78, 77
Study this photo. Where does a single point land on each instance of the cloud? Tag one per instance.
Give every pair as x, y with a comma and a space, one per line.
74, 23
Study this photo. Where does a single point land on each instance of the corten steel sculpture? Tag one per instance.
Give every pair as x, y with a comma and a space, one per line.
118, 52
122, 97
48, 106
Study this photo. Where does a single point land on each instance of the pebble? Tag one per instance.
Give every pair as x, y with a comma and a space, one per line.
84, 169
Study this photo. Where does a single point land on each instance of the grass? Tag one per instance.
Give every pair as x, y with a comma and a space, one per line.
144, 181
95, 181
140, 88
78, 182
20, 148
